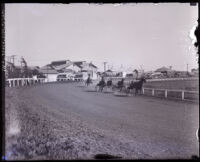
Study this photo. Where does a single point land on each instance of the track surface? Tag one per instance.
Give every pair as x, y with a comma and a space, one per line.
64, 121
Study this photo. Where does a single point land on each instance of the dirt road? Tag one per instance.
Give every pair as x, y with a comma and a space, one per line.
63, 121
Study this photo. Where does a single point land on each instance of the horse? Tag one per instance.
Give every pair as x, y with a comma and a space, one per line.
120, 85
88, 81
101, 85
136, 85
109, 83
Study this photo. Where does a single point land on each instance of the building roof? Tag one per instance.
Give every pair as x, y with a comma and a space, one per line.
79, 63
58, 63
48, 66
33, 67
67, 70
91, 64
61, 66
162, 69
49, 71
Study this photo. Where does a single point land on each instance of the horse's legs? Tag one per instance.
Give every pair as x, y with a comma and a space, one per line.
128, 90
136, 90
102, 88
120, 89
140, 91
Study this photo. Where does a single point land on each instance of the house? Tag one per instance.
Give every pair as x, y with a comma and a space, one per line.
181, 74
89, 68
157, 75
108, 73
195, 72
148, 74
49, 72
69, 68
167, 72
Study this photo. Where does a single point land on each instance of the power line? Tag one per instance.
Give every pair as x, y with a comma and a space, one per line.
11, 58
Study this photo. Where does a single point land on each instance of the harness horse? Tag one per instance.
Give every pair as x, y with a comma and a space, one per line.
102, 84
120, 85
88, 81
136, 85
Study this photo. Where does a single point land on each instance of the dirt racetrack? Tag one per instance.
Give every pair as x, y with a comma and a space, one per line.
63, 121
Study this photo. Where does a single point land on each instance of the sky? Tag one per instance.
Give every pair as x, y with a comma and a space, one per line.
133, 36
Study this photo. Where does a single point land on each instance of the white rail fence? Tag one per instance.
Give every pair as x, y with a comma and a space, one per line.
68, 79
15, 82
171, 93
150, 80
166, 93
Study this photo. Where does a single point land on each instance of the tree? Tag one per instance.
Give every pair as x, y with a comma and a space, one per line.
136, 71
25, 71
197, 34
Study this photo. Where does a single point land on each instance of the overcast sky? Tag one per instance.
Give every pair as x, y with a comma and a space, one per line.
133, 35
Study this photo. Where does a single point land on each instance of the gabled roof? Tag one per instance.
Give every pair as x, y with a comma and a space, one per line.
91, 64
50, 71
48, 66
63, 66
67, 70
108, 70
58, 63
162, 69
79, 63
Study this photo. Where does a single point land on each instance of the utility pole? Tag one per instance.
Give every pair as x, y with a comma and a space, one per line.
13, 58
104, 66
187, 70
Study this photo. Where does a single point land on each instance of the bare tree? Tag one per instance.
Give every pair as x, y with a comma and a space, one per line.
24, 67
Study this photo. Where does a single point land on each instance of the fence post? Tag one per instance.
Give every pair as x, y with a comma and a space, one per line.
165, 93
152, 92
183, 95
13, 83
22, 82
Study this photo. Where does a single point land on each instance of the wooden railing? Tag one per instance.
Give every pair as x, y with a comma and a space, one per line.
14, 82
152, 80
69, 79
171, 93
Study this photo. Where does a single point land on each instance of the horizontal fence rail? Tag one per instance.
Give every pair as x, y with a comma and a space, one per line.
169, 79
14, 82
151, 80
165, 93
171, 93
69, 79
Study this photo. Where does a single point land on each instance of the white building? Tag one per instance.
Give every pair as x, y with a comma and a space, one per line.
68, 67
50, 73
